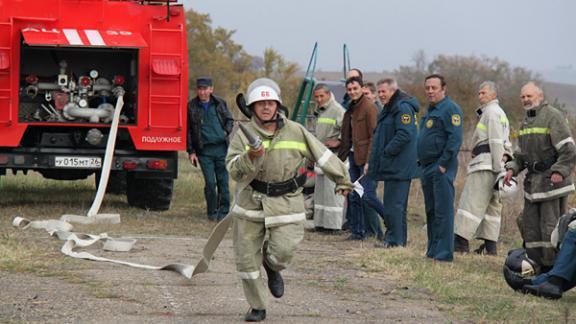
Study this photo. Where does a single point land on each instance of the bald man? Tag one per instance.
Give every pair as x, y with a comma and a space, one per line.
546, 150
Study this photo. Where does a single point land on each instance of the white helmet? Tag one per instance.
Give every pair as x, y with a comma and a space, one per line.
262, 93
506, 191
264, 82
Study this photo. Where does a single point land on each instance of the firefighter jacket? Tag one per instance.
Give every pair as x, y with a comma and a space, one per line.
357, 128
329, 120
545, 145
491, 139
194, 141
285, 151
393, 155
440, 134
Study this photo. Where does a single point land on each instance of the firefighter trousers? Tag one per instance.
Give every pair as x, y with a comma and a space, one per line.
480, 210
536, 224
248, 238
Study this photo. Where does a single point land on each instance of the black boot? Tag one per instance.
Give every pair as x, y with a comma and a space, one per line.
461, 244
488, 247
255, 315
275, 281
547, 289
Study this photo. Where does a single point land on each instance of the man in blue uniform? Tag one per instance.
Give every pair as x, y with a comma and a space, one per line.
439, 141
393, 158
209, 124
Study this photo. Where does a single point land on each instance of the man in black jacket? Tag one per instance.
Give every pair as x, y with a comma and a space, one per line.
209, 124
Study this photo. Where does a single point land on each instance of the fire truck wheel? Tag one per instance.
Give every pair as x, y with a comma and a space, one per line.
152, 194
116, 182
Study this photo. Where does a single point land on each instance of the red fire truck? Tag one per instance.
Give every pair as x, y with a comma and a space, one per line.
62, 63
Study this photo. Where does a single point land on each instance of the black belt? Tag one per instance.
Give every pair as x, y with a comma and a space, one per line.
274, 189
479, 149
539, 166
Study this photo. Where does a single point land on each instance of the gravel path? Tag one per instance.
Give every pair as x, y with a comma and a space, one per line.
320, 288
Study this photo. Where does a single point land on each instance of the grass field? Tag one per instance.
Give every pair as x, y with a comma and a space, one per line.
471, 288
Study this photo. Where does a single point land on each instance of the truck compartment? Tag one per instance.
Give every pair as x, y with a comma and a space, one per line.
76, 84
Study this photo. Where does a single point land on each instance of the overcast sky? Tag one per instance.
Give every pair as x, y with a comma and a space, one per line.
383, 34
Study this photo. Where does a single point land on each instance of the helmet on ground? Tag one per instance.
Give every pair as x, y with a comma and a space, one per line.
506, 191
519, 269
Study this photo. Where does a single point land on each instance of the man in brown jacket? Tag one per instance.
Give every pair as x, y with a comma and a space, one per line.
357, 128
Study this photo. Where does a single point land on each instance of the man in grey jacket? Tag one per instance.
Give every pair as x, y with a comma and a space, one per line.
480, 206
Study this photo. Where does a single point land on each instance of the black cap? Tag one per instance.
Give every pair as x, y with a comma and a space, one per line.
203, 82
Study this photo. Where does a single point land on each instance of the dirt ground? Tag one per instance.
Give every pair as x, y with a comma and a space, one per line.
320, 288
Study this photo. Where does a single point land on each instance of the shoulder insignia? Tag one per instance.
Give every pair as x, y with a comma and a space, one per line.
456, 120
429, 123
406, 119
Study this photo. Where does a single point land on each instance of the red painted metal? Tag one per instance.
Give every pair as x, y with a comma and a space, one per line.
162, 59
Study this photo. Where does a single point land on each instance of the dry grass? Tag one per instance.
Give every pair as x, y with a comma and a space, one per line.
33, 197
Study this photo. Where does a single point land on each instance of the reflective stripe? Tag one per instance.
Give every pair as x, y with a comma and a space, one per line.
552, 193
325, 120
229, 165
503, 120
469, 215
94, 37
283, 145
285, 219
534, 130
534, 245
496, 141
289, 145
324, 158
328, 208
481, 126
72, 37
564, 141
249, 275
494, 219
256, 214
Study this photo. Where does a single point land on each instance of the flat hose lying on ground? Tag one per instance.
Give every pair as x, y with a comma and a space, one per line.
62, 229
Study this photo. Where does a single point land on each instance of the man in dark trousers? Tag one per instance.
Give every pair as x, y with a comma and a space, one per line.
357, 128
393, 158
439, 141
209, 124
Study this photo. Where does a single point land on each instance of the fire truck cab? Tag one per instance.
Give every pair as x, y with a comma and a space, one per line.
62, 65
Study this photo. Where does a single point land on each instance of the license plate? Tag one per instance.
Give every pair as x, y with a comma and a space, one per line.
78, 162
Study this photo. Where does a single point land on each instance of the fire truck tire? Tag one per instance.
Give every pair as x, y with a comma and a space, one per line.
152, 194
116, 182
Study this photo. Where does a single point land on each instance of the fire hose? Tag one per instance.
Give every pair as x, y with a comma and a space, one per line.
62, 229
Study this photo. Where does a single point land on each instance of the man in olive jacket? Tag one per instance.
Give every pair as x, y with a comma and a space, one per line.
547, 152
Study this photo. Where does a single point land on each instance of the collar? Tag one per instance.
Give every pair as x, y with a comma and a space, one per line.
480, 110
532, 112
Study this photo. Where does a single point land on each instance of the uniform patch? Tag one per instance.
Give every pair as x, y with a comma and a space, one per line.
429, 123
456, 121
406, 119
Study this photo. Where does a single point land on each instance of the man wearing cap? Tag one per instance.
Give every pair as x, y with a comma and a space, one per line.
209, 124
269, 212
